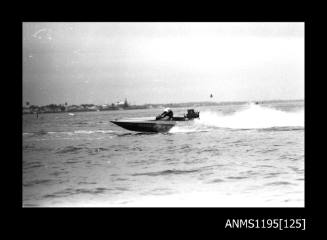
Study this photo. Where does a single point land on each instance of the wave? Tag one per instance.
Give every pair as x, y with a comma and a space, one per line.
278, 129
90, 131
71, 191
69, 149
188, 129
39, 133
42, 132
165, 172
134, 134
76, 149
279, 183
38, 181
27, 133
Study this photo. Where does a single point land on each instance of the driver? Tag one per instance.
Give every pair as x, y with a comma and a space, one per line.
166, 115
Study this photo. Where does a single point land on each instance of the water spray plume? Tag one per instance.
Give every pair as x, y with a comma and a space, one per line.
251, 117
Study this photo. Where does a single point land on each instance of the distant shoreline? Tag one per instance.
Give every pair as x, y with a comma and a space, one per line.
53, 108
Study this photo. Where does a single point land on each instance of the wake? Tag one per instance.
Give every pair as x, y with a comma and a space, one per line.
251, 117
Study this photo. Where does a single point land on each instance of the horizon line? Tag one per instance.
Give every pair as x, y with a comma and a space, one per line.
208, 101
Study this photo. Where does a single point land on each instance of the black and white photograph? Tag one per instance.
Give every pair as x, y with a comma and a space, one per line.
163, 114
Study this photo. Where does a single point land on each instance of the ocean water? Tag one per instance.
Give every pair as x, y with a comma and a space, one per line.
233, 156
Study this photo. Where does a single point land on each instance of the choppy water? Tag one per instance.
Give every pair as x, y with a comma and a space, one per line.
234, 156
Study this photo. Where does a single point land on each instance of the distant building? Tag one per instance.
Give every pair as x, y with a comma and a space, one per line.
119, 103
74, 108
125, 103
122, 103
92, 108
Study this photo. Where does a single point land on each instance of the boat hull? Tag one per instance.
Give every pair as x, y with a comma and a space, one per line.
146, 126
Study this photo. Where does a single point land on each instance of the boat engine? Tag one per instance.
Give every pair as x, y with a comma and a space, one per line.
191, 114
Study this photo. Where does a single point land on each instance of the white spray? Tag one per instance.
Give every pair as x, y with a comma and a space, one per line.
251, 117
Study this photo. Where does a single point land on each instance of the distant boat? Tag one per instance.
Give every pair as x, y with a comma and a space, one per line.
211, 95
71, 114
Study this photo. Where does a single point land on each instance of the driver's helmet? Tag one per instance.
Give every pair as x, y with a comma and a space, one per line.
167, 110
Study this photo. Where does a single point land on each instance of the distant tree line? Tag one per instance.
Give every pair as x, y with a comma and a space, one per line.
50, 108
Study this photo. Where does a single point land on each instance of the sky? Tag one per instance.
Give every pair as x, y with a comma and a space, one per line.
158, 62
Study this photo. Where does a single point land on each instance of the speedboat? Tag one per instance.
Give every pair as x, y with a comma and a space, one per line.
155, 125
